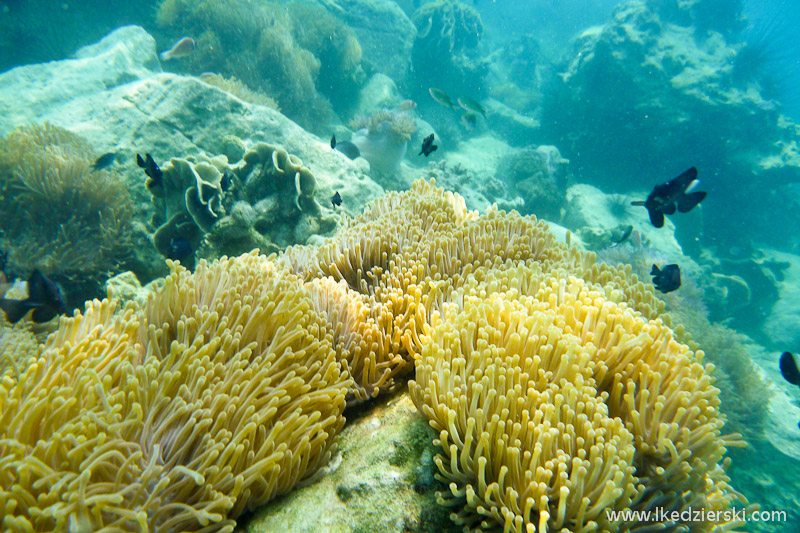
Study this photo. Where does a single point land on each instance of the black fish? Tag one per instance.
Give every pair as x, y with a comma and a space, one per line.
44, 298
661, 201
336, 200
179, 248
346, 147
104, 161
156, 177
428, 146
667, 279
789, 369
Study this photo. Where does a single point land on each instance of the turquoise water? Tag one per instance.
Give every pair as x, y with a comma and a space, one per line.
570, 111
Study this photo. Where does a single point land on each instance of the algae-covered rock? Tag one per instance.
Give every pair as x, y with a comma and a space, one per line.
382, 481
538, 174
298, 54
385, 32
447, 33
115, 96
656, 90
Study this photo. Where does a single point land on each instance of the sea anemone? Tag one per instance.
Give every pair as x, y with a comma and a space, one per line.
382, 139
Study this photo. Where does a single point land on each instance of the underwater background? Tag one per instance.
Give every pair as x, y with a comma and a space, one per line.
464, 313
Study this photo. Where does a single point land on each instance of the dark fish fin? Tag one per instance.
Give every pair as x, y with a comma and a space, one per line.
43, 313
656, 217
348, 149
669, 209
38, 292
140, 162
333, 141
685, 179
639, 203
687, 202
655, 270
14, 309
789, 369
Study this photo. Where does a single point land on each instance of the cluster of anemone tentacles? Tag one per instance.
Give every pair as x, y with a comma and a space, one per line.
218, 393
556, 392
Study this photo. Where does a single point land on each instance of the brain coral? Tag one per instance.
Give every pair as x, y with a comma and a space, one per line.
217, 394
554, 405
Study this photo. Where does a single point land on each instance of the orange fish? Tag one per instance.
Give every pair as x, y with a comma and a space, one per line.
182, 48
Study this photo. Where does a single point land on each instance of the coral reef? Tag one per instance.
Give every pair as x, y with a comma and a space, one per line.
447, 31
336, 47
479, 190
302, 56
448, 26
553, 405
219, 393
59, 215
681, 80
207, 207
539, 176
227, 386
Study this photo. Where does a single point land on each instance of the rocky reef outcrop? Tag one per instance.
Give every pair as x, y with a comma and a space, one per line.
115, 95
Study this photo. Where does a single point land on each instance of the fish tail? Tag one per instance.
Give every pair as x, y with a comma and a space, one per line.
165, 55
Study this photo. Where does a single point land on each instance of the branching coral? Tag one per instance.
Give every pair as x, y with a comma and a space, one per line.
554, 405
87, 230
217, 394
